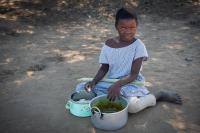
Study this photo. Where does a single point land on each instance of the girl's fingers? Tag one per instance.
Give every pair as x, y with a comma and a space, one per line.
113, 98
86, 85
111, 95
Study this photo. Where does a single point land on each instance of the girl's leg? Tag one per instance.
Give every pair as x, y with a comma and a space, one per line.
137, 104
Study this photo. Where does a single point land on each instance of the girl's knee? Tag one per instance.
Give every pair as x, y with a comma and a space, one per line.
133, 106
138, 104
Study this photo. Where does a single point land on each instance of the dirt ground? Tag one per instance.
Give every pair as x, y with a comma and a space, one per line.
45, 48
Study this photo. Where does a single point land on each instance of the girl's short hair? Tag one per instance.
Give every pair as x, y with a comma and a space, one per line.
125, 13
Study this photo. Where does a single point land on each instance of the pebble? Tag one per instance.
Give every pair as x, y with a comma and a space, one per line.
188, 59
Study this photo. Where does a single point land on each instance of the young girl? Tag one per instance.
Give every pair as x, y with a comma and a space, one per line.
121, 58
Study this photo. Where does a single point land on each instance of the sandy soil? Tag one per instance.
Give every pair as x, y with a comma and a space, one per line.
43, 55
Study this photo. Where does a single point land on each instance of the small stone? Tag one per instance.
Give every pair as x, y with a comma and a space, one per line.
188, 59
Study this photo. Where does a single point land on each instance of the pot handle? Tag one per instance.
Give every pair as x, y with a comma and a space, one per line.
94, 109
67, 106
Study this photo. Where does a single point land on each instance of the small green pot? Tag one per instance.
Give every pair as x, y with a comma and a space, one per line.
77, 108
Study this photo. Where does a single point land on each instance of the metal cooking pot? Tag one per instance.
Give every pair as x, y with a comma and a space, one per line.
78, 108
109, 121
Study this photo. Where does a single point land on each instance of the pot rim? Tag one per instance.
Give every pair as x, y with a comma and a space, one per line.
78, 102
108, 113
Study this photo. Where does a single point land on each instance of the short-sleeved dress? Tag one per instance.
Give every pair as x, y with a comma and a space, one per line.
120, 63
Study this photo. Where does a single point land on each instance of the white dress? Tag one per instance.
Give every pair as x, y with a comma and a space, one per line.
120, 63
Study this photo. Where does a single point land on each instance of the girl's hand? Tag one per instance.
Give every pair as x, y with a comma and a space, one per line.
89, 86
113, 92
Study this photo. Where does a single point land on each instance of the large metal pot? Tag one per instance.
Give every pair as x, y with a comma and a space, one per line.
109, 121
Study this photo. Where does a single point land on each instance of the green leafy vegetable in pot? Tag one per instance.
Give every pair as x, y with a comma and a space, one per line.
107, 106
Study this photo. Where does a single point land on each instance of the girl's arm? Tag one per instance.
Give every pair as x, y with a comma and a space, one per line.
114, 90
101, 73
136, 65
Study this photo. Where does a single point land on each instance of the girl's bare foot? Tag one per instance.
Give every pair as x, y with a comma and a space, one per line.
168, 96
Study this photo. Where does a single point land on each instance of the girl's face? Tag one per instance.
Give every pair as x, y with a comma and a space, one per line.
126, 29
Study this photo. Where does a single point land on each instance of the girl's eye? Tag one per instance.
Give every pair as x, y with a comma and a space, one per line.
125, 28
